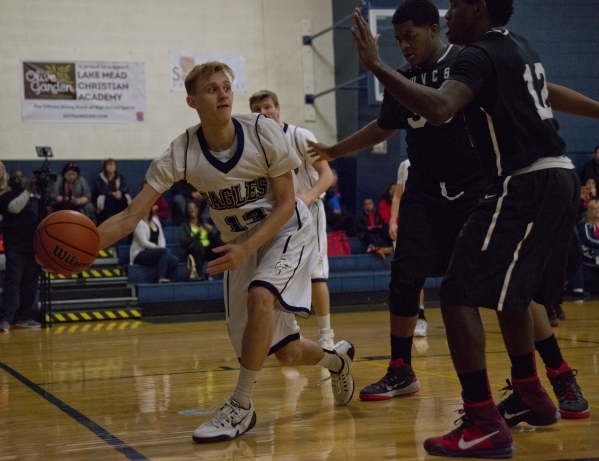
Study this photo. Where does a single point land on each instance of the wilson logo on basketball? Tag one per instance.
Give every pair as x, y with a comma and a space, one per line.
71, 260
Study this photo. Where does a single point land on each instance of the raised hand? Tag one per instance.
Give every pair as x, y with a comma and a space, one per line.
366, 44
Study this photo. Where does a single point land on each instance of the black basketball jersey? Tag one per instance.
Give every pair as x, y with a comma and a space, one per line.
510, 88
437, 153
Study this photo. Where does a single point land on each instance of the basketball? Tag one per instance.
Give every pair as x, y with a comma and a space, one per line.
66, 242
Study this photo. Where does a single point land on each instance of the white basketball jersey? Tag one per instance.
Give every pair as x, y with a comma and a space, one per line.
235, 183
306, 174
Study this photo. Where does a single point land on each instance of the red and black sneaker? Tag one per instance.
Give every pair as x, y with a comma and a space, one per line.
529, 403
571, 402
481, 433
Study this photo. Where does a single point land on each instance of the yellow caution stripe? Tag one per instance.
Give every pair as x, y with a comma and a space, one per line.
62, 328
114, 314
107, 253
90, 273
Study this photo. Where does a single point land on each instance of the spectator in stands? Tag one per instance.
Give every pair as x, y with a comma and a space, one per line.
369, 228
588, 230
3, 179
160, 208
22, 213
183, 192
384, 207
111, 193
3, 188
197, 238
588, 192
591, 169
149, 248
71, 192
333, 196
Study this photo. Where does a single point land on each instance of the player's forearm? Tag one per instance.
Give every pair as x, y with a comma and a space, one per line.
364, 138
569, 101
324, 181
280, 214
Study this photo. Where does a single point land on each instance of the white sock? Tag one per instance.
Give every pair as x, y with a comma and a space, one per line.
324, 322
331, 361
245, 386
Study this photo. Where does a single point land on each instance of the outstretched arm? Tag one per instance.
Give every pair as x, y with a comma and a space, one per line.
123, 223
367, 137
569, 101
436, 106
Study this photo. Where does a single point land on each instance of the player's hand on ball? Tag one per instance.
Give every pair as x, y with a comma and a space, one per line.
232, 258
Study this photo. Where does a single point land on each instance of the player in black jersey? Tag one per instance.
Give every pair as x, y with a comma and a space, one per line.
513, 248
445, 182
444, 185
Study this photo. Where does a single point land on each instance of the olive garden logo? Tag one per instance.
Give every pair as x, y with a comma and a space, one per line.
49, 80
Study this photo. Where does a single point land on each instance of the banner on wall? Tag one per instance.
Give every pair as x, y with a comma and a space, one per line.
84, 91
183, 61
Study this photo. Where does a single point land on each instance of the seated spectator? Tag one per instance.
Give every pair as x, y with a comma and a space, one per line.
3, 180
183, 192
369, 228
588, 231
588, 192
148, 248
333, 196
71, 192
385, 206
197, 238
111, 193
591, 169
160, 207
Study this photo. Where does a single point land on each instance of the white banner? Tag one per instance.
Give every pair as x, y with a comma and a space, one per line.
183, 61
84, 91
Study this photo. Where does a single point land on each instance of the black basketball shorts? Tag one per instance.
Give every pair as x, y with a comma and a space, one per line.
514, 247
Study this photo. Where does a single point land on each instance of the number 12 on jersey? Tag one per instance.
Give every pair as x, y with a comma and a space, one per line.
249, 217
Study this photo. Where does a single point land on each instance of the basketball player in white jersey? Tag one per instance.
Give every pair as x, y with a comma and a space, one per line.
243, 167
314, 177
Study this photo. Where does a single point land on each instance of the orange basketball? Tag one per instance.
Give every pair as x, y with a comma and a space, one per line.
66, 242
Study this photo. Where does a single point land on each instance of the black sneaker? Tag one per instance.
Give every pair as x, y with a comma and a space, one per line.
528, 403
559, 312
399, 380
571, 402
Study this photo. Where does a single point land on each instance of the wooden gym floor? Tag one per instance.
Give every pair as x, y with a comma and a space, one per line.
137, 389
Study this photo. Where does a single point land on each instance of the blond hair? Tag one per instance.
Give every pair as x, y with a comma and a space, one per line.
588, 217
262, 95
206, 70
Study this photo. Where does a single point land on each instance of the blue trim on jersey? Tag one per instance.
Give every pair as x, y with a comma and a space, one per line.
285, 126
299, 221
318, 280
258, 137
283, 342
223, 167
286, 244
302, 312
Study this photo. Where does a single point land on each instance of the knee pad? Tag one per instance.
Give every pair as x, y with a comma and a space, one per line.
404, 295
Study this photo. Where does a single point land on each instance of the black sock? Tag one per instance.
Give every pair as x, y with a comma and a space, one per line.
523, 366
401, 348
475, 386
550, 352
421, 314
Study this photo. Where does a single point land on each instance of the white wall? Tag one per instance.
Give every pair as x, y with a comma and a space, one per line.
267, 32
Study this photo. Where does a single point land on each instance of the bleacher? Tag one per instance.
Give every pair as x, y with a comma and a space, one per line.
355, 279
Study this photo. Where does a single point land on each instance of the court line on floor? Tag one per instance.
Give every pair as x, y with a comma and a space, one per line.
96, 429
